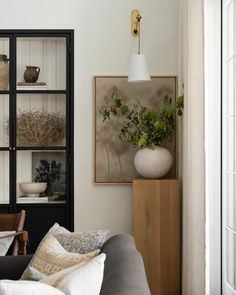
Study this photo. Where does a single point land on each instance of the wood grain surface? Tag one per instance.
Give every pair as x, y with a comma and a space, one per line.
156, 229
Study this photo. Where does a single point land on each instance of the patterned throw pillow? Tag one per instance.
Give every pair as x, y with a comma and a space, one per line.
56, 229
79, 242
51, 257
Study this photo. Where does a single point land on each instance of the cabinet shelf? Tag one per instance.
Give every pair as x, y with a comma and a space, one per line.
41, 148
49, 204
41, 91
35, 148
8, 92
3, 148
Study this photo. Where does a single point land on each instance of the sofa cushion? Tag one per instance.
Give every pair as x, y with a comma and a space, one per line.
79, 242
51, 257
124, 270
85, 279
8, 287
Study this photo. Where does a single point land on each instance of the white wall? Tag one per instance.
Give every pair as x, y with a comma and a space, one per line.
103, 44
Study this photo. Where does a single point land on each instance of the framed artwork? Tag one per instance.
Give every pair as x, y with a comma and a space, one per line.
113, 158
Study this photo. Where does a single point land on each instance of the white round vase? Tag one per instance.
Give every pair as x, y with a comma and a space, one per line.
153, 163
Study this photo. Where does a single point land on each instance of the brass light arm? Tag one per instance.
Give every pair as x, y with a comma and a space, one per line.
136, 31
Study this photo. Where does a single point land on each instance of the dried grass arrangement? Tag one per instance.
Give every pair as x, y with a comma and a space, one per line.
40, 128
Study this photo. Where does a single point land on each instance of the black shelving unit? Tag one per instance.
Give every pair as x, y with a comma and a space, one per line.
40, 216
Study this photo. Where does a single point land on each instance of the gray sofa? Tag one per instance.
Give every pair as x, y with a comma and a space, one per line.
123, 274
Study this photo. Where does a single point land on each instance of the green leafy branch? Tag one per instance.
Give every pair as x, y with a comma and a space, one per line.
143, 127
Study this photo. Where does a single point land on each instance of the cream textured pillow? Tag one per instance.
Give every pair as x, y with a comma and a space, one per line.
8, 287
51, 257
85, 279
5, 243
57, 277
79, 242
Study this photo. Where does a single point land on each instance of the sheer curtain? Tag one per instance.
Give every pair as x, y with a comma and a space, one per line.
192, 76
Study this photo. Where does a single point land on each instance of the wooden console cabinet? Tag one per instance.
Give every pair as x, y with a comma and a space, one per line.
156, 229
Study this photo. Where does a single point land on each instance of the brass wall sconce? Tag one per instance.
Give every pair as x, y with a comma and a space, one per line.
138, 70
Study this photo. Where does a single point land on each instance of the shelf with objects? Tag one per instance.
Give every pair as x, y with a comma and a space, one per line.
41, 63
36, 127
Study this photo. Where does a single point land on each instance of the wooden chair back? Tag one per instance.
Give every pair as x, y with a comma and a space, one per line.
13, 222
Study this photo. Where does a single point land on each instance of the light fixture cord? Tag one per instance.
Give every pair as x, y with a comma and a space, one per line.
139, 28
139, 40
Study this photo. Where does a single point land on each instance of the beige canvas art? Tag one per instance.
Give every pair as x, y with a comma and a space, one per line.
114, 159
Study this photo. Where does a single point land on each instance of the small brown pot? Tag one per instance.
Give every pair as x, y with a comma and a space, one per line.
31, 74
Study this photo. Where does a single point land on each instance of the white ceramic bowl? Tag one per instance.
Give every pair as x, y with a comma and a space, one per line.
32, 189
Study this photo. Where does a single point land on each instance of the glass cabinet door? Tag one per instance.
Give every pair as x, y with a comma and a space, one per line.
4, 120
41, 63
41, 109
4, 177
4, 63
46, 168
4, 91
4, 149
41, 120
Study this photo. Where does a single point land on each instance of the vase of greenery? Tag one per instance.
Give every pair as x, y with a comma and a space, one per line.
49, 173
147, 129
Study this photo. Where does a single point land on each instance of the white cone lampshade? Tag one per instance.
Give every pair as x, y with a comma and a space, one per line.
138, 70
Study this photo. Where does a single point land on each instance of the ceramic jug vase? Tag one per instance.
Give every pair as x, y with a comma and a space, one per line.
31, 74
